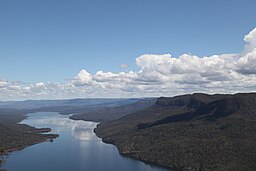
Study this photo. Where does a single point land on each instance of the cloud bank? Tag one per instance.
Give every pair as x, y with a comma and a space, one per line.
159, 75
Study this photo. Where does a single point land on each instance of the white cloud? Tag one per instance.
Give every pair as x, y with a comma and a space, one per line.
159, 75
250, 39
82, 78
3, 84
124, 66
14, 87
247, 63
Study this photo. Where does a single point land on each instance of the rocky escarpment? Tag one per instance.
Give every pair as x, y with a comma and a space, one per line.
190, 132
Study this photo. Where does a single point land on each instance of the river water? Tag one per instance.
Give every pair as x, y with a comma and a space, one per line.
76, 149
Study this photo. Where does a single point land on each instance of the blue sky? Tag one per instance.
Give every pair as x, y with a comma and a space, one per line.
53, 40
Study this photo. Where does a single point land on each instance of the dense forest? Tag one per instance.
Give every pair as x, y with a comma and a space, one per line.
15, 136
189, 132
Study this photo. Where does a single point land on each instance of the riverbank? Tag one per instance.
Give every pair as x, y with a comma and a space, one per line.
77, 148
16, 136
190, 132
130, 155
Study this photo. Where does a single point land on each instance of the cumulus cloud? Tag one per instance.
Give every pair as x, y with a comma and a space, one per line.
82, 78
250, 39
3, 83
159, 75
247, 63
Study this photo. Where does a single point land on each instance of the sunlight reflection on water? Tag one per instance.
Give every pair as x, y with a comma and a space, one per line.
77, 148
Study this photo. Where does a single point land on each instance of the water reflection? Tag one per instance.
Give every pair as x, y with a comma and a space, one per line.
77, 148
82, 133
79, 129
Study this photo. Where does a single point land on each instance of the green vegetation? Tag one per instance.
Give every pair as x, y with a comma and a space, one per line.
104, 114
14, 136
3, 156
190, 132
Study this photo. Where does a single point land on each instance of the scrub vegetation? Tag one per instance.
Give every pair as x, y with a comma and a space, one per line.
189, 132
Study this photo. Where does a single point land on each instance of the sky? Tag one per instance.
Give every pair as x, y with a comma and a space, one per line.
56, 49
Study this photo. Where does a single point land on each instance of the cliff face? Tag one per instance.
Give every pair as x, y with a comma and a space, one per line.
190, 132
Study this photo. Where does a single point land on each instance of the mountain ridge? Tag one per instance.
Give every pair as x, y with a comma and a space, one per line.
190, 132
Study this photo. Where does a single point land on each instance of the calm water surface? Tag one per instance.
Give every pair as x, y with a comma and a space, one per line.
76, 149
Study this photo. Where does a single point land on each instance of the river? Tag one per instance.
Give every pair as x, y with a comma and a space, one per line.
76, 149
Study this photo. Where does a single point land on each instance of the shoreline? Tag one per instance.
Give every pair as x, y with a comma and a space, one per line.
40, 131
127, 155
11, 150
33, 135
134, 158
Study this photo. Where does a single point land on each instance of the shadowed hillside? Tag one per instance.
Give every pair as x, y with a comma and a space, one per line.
190, 132
111, 113
14, 136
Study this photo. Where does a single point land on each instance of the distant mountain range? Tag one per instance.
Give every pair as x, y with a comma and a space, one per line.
16, 136
108, 113
35, 104
189, 132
